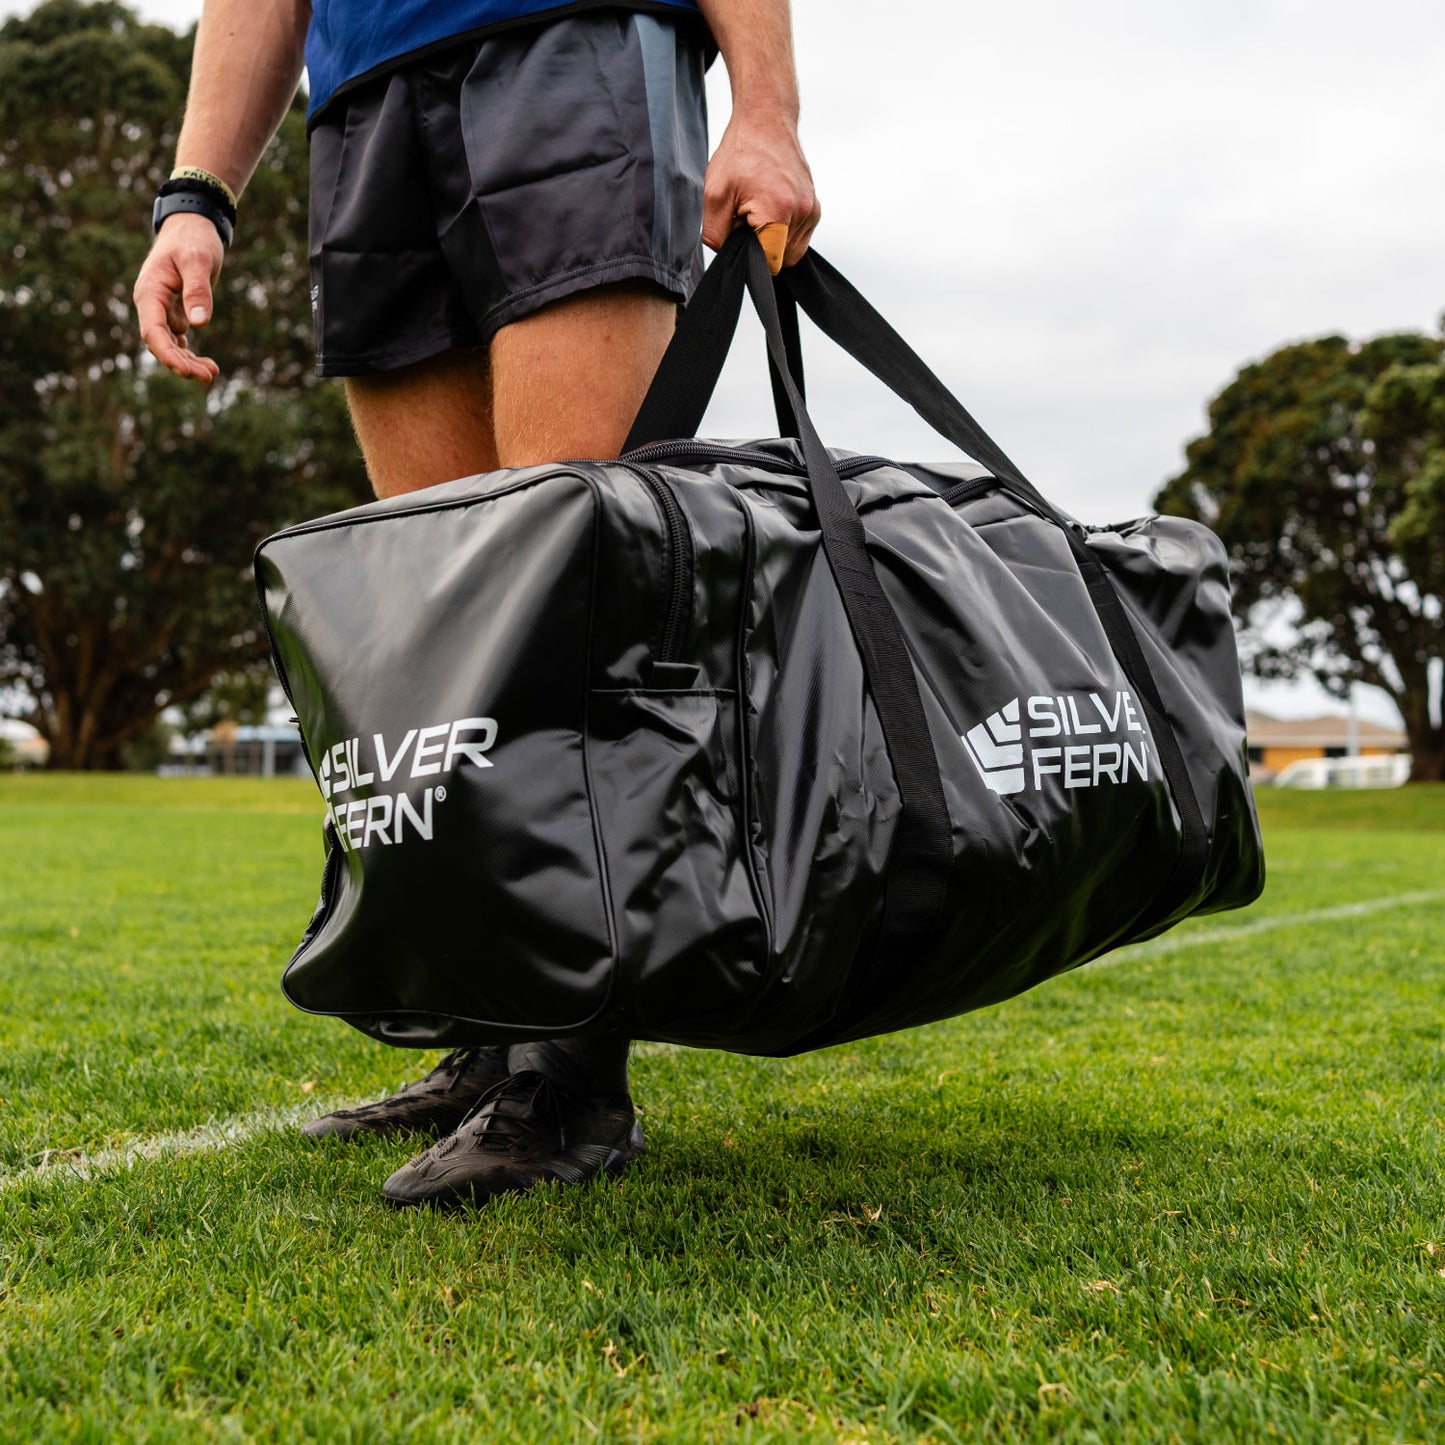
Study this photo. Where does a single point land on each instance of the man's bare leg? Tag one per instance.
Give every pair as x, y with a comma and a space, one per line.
563, 382
425, 423
567, 380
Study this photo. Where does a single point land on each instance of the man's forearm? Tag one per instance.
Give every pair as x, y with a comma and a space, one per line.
247, 64
756, 41
758, 171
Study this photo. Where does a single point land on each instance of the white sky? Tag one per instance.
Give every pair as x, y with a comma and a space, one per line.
1088, 216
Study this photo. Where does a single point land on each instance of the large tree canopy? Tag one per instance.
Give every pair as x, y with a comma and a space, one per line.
130, 501
1323, 471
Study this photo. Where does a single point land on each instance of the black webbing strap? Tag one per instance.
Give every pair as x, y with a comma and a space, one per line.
793, 347
921, 860
1119, 629
688, 373
838, 310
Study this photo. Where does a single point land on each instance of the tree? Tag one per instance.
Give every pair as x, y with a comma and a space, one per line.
1323, 471
130, 501
234, 697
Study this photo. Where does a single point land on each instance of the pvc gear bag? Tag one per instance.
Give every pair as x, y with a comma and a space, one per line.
751, 746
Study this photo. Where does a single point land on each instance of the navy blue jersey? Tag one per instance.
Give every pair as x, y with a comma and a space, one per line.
349, 39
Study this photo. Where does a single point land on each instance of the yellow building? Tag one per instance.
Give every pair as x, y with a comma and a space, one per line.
1276, 742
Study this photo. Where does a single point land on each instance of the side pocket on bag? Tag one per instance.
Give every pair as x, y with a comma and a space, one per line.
666, 786
328, 893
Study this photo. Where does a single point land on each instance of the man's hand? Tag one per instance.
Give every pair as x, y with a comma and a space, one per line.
173, 293
758, 174
244, 73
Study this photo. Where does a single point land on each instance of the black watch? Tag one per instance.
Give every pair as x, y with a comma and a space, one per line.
197, 205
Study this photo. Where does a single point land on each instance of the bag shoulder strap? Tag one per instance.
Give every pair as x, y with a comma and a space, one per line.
842, 314
674, 407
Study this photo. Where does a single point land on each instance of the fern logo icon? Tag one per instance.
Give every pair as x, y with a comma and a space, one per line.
997, 749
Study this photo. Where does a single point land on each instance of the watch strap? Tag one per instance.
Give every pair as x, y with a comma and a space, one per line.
194, 204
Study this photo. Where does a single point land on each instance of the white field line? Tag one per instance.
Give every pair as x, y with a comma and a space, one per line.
1203, 937
237, 1128
76, 1165
218, 1134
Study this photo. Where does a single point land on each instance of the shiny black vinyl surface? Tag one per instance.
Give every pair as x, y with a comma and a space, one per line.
552, 809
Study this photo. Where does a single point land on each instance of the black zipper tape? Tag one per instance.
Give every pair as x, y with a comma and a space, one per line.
679, 562
716, 452
965, 491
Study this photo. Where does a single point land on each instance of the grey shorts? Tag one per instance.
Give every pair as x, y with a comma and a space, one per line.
470, 187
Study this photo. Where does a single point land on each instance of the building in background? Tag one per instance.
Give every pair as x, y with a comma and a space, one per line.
266, 752
229, 749
1275, 743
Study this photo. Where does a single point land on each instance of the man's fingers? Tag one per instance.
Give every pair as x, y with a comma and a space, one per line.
196, 294
164, 334
719, 213
176, 356
801, 235
173, 293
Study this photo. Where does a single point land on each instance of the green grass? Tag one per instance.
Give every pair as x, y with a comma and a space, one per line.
1191, 1193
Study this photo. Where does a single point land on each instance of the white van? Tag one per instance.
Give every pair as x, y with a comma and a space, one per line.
1377, 770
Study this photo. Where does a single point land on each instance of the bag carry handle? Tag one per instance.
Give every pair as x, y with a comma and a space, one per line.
842, 314
920, 862
689, 372
684, 385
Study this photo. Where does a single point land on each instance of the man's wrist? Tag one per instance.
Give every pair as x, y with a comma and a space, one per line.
189, 203
766, 101
201, 193
208, 178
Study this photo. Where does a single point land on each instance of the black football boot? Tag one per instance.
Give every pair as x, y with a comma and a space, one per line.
524, 1132
433, 1105
564, 1115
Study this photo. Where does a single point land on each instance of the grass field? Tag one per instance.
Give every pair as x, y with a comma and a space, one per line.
1194, 1192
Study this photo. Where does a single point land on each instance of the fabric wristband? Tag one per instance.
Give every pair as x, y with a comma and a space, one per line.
195, 173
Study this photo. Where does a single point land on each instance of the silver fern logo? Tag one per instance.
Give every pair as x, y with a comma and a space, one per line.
1004, 746
996, 746
363, 814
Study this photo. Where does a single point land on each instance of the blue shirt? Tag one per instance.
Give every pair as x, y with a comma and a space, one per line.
350, 39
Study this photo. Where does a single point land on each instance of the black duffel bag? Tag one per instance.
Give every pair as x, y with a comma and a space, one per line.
750, 746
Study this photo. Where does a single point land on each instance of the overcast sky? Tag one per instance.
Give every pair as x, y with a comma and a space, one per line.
1086, 217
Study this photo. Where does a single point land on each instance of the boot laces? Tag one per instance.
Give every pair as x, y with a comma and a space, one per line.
455, 1064
514, 1111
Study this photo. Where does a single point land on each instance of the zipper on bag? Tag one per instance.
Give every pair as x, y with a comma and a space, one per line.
677, 596
679, 563
963, 491
716, 452
847, 469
